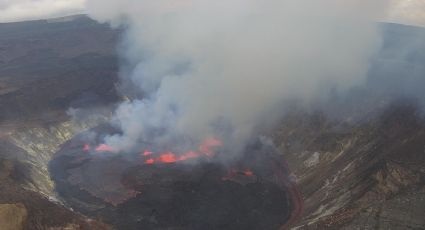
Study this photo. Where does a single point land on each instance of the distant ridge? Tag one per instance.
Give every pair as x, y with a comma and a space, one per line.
65, 18
62, 19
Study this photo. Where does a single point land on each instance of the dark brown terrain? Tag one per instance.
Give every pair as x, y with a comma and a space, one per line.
45, 68
366, 176
358, 164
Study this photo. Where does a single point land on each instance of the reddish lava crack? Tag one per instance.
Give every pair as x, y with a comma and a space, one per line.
296, 198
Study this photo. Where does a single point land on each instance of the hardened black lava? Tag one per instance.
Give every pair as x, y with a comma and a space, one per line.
252, 192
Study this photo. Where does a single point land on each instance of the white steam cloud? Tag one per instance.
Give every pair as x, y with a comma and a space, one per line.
410, 12
19, 10
222, 68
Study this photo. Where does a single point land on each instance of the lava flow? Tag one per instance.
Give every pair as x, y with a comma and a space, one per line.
86, 148
205, 149
104, 148
151, 178
234, 174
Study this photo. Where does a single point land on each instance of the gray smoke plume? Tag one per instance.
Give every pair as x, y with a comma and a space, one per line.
223, 68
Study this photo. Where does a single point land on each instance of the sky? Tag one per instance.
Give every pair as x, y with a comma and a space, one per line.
407, 12
402, 11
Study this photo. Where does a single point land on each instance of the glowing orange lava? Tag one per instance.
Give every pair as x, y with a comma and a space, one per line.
149, 161
147, 153
104, 148
86, 148
205, 149
234, 174
168, 158
248, 173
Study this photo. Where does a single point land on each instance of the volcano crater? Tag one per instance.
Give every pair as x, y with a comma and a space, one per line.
250, 192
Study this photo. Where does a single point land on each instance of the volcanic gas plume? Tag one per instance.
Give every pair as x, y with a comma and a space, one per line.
197, 70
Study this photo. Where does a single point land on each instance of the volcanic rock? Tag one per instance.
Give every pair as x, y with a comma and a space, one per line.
359, 164
13, 216
252, 193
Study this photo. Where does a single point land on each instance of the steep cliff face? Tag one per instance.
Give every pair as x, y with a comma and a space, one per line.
27, 191
360, 164
13, 216
39, 145
47, 67
369, 175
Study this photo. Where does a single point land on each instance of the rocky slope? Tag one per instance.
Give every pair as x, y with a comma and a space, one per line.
358, 164
365, 176
24, 209
39, 144
47, 67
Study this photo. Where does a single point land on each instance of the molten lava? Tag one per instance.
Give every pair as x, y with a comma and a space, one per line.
150, 161
153, 177
248, 173
86, 148
234, 174
104, 148
205, 149
168, 158
147, 153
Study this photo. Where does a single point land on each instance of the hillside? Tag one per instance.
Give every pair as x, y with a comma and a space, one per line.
358, 159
